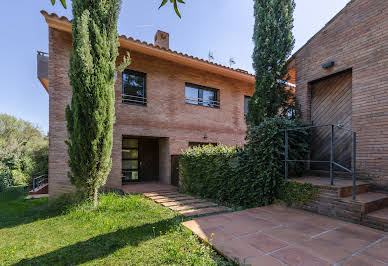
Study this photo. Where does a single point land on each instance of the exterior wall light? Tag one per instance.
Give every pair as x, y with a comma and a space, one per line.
328, 64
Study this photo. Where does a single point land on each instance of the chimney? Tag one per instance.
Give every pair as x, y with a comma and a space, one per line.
162, 39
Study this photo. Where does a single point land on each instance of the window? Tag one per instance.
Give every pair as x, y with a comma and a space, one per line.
200, 95
134, 88
246, 100
130, 160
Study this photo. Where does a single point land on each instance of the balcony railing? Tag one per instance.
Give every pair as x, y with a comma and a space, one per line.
132, 99
202, 102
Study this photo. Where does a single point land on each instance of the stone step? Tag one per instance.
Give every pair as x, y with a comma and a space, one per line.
183, 198
199, 212
181, 203
370, 201
379, 218
193, 206
323, 173
344, 187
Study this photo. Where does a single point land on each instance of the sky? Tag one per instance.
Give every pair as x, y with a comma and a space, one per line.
223, 27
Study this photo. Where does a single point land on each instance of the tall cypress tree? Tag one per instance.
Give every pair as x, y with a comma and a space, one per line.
90, 117
274, 42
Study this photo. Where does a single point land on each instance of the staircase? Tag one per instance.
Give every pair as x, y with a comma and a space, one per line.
39, 186
369, 208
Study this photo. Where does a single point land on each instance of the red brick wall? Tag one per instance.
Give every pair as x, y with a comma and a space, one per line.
166, 114
357, 39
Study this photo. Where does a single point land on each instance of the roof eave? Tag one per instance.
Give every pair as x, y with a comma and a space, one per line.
63, 24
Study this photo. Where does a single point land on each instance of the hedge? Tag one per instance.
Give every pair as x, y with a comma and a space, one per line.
247, 177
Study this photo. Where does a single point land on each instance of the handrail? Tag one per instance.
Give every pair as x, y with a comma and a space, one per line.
332, 161
37, 182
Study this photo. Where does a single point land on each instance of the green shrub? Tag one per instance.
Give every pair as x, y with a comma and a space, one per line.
293, 193
206, 170
246, 177
5, 179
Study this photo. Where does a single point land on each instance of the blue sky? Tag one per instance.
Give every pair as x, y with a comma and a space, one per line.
222, 26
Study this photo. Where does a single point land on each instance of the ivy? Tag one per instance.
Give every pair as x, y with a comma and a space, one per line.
247, 177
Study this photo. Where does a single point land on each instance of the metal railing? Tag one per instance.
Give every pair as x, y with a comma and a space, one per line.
201, 101
39, 181
140, 100
332, 161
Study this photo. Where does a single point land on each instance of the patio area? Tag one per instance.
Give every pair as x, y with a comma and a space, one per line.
277, 235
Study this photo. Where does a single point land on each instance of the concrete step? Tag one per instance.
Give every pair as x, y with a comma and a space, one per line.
379, 218
370, 201
190, 213
181, 203
193, 206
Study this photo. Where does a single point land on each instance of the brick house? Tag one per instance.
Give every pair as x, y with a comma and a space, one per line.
165, 102
341, 77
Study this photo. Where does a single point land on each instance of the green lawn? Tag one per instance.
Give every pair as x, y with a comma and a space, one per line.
128, 230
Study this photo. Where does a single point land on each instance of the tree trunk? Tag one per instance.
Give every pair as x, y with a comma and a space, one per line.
95, 197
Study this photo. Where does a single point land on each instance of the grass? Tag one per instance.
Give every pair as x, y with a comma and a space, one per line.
123, 230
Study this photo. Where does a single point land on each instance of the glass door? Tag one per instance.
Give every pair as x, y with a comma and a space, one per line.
130, 160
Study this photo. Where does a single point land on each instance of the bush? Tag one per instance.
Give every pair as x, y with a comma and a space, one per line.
5, 179
206, 170
293, 193
248, 177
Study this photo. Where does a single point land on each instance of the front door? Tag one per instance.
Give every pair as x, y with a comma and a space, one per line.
140, 160
331, 103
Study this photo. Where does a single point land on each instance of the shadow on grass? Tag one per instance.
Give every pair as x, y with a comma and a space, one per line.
16, 210
103, 245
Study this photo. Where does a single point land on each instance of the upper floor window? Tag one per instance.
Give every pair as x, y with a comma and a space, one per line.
134, 87
199, 95
246, 100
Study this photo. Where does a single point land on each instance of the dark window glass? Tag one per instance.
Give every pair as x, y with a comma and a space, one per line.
199, 95
130, 160
134, 87
246, 100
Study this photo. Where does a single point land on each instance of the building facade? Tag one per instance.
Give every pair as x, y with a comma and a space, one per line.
341, 77
165, 102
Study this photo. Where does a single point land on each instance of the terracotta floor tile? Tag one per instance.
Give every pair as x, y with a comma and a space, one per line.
213, 221
298, 257
324, 249
378, 251
238, 250
287, 234
307, 228
345, 240
263, 242
359, 260
215, 235
264, 261
362, 232
242, 225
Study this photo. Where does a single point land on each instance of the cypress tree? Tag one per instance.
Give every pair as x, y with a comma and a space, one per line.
90, 117
274, 42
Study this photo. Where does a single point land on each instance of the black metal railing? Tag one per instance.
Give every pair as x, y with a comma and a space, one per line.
132, 99
39, 181
203, 102
332, 162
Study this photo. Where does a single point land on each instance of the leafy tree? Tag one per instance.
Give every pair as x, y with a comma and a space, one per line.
273, 45
174, 2
23, 151
90, 117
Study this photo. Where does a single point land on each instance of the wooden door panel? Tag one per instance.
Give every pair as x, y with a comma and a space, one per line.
148, 160
331, 103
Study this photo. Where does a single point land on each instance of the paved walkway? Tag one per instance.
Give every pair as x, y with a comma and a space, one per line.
276, 235
169, 197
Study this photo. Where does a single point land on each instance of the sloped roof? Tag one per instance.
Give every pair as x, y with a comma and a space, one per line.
64, 24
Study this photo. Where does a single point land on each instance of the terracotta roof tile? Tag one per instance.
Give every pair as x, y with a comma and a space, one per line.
124, 37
